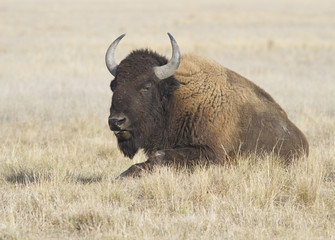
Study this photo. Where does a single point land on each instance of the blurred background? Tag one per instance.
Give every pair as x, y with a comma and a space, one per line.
52, 52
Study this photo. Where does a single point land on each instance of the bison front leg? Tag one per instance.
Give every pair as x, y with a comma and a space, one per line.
179, 157
137, 169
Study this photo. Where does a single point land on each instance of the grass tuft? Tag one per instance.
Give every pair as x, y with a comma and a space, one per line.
24, 175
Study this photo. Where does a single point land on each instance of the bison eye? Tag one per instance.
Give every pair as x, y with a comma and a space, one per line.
146, 87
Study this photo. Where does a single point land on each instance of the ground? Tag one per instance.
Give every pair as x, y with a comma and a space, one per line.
58, 157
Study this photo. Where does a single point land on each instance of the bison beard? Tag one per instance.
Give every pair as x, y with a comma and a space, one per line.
128, 147
146, 127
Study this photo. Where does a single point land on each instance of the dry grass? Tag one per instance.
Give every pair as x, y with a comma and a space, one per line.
58, 159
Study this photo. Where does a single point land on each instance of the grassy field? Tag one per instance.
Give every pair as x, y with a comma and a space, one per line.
58, 157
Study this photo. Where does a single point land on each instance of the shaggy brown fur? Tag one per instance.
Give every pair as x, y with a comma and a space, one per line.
230, 114
204, 114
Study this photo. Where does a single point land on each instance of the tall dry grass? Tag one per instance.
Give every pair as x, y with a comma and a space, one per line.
58, 158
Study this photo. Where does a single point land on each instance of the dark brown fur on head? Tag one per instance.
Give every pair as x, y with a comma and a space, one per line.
139, 94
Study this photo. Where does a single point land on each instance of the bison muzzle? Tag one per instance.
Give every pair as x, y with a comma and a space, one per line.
191, 110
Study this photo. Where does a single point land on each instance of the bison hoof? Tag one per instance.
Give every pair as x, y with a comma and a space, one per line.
133, 171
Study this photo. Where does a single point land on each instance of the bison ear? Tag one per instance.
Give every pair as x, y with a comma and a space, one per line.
168, 86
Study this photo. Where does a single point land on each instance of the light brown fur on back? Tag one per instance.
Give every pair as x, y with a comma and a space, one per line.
223, 110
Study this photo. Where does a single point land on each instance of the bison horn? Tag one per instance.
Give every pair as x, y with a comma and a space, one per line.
171, 67
109, 58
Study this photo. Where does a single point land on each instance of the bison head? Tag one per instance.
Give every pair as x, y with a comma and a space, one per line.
141, 88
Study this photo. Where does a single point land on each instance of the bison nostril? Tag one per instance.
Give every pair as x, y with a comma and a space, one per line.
121, 121
116, 122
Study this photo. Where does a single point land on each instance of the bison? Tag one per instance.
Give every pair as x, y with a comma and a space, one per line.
191, 110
